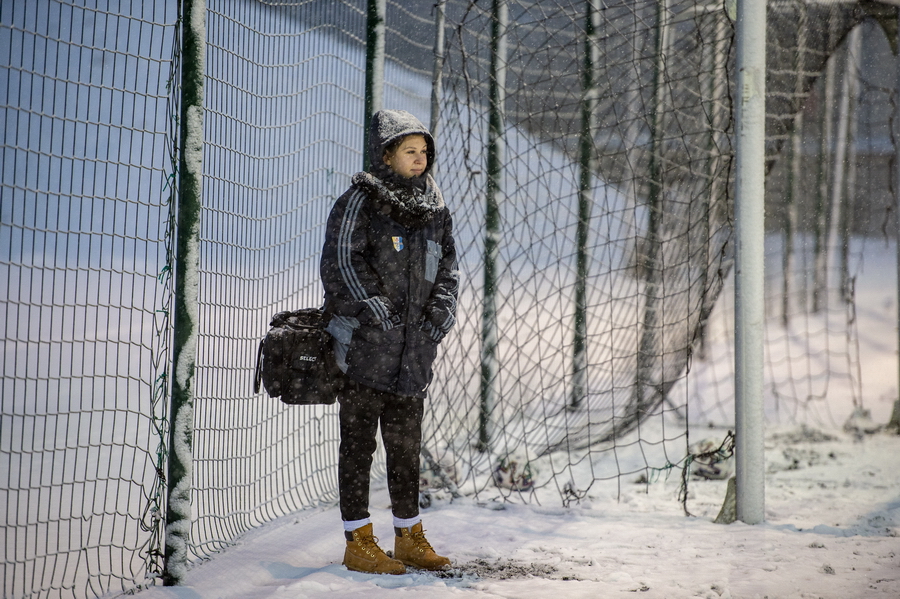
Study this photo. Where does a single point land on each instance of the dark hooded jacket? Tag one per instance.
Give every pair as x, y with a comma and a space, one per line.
389, 268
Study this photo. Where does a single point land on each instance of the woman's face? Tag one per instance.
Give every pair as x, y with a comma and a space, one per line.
410, 158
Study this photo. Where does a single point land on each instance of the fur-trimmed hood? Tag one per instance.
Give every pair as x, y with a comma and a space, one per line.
411, 208
411, 201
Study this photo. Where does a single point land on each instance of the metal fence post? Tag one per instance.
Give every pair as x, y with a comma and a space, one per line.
649, 260
185, 321
794, 169
749, 312
895, 415
374, 101
587, 163
495, 157
437, 74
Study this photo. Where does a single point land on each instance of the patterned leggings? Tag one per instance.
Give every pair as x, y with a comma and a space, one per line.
401, 430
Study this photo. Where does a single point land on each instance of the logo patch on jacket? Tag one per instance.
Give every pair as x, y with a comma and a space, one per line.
398, 243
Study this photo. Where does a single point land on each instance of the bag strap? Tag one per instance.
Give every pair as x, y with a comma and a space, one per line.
258, 375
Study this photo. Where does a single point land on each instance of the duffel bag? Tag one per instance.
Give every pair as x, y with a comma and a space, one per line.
295, 362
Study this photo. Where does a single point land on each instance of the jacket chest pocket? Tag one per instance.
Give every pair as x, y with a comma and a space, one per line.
432, 260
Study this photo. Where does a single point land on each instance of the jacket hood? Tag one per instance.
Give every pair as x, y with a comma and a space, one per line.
389, 126
411, 208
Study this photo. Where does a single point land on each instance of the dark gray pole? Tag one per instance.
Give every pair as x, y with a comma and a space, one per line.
851, 74
794, 182
715, 64
822, 223
795, 164
374, 101
185, 321
437, 88
495, 157
895, 416
587, 162
646, 382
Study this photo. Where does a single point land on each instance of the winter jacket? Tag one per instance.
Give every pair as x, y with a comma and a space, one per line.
389, 269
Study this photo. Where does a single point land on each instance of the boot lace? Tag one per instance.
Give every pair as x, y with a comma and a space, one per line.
420, 540
369, 544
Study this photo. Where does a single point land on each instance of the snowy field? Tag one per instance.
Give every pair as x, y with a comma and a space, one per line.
832, 527
832, 532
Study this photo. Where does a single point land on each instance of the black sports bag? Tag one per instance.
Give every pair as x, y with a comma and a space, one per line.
295, 361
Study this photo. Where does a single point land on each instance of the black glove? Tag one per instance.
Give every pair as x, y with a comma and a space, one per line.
439, 318
434, 333
379, 311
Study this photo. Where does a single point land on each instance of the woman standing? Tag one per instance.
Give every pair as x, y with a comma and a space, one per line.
391, 283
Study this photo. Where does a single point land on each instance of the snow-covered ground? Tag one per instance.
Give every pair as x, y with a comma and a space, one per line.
832, 531
832, 528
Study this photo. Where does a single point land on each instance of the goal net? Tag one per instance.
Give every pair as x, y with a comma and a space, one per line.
585, 149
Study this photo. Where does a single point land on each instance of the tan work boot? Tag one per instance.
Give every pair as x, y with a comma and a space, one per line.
413, 549
364, 555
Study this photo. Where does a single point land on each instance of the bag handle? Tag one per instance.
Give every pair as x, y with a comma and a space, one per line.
258, 375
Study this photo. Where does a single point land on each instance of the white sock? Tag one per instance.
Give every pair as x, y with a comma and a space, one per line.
406, 522
351, 525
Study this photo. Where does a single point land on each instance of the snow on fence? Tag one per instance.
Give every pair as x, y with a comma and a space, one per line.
89, 184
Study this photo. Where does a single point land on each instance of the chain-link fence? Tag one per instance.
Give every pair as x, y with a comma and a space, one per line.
585, 151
